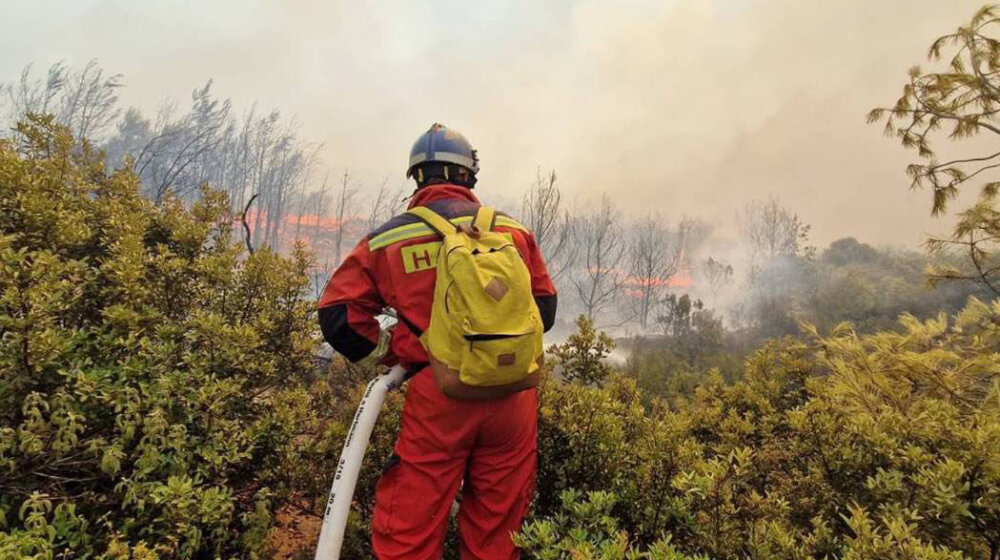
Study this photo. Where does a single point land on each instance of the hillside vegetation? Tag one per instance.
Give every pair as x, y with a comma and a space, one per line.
159, 399
149, 370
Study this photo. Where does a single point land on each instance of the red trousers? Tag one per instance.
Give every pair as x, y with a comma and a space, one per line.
491, 444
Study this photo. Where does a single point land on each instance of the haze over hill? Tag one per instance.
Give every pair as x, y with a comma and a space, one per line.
695, 107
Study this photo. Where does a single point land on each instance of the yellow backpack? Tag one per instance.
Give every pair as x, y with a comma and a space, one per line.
485, 328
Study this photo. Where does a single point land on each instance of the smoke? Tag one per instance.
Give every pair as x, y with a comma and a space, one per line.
689, 107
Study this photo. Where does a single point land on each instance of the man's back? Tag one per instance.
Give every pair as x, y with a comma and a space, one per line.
399, 259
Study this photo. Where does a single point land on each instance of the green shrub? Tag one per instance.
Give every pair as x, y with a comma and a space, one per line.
583, 357
159, 399
584, 529
845, 446
148, 368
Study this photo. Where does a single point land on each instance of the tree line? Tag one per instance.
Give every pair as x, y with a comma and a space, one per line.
277, 185
624, 273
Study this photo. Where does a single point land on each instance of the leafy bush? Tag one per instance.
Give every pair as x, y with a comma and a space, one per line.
158, 399
846, 446
148, 368
582, 358
585, 530
849, 281
693, 342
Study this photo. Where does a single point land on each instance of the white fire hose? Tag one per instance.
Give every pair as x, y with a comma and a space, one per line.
331, 535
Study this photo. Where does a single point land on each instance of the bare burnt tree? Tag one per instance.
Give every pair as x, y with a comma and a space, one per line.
654, 253
302, 202
343, 213
385, 203
29, 95
771, 230
84, 100
175, 152
320, 204
263, 133
600, 239
132, 133
717, 273
90, 101
242, 156
259, 154
176, 157
777, 245
323, 267
288, 170
279, 165
694, 232
543, 213
302, 199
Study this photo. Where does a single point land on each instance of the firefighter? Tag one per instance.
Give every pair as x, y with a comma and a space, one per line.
489, 442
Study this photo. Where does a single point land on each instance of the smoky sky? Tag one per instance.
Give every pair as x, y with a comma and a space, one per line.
682, 107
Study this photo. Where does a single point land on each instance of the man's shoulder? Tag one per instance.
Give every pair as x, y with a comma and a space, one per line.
398, 228
447, 208
393, 223
507, 221
405, 226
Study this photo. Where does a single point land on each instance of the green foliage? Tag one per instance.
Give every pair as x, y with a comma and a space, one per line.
584, 438
582, 357
149, 393
585, 530
959, 101
693, 342
844, 446
974, 244
158, 400
962, 100
841, 446
871, 288
683, 318
849, 281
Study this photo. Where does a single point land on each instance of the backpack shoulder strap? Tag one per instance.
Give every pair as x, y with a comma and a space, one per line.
486, 218
433, 220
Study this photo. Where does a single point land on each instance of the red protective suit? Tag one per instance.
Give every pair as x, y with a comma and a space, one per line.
492, 444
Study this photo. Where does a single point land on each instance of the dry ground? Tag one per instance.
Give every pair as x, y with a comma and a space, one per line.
295, 534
